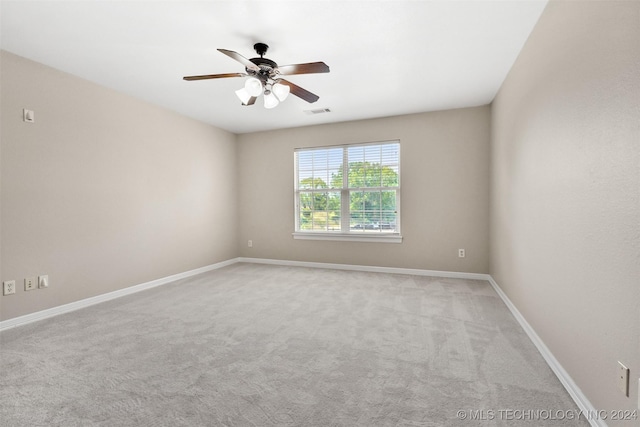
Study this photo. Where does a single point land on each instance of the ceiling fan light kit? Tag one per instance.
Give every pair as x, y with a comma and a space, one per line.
270, 100
253, 86
264, 78
281, 91
244, 96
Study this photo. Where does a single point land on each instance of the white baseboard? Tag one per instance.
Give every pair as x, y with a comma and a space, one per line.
572, 388
77, 305
373, 269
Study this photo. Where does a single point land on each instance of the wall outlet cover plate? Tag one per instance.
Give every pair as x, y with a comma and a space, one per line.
623, 379
9, 287
30, 283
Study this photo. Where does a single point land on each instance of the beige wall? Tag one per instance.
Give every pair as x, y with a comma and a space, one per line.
445, 184
104, 191
565, 205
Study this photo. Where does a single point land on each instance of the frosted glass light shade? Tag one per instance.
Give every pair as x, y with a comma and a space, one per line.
270, 101
243, 95
253, 86
281, 91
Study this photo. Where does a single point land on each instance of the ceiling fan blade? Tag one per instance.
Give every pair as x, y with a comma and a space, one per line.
309, 68
214, 76
300, 92
241, 59
251, 101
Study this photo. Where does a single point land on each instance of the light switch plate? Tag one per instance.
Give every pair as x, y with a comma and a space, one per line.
623, 379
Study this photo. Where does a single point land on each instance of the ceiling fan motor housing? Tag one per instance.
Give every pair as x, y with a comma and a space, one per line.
267, 68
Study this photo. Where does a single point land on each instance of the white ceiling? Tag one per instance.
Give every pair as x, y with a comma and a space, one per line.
386, 57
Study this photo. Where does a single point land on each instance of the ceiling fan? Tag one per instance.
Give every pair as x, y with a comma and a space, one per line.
264, 78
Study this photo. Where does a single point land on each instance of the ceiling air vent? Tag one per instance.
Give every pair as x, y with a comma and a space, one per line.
318, 111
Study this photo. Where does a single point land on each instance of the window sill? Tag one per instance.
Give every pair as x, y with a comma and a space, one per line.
351, 237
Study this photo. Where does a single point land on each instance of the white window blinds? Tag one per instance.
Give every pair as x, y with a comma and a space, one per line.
348, 189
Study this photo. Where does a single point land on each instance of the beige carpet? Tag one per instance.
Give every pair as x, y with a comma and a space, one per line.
261, 345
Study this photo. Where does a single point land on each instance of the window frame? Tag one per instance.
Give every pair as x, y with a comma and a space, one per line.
345, 233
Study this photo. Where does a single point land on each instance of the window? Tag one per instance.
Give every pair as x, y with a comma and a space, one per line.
348, 192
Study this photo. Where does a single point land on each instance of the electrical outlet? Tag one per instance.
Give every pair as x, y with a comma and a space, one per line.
9, 287
29, 283
461, 253
43, 281
250, 243
623, 379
